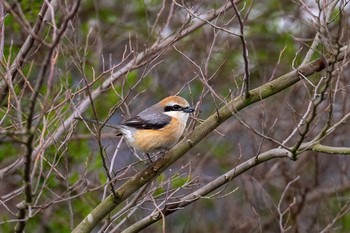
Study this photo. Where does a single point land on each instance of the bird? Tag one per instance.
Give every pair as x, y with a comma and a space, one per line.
158, 127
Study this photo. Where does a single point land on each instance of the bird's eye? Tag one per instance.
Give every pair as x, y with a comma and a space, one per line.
176, 107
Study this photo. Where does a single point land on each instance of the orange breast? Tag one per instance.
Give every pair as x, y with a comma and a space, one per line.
148, 140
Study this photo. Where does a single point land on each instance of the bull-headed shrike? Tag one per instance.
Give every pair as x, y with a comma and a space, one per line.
158, 127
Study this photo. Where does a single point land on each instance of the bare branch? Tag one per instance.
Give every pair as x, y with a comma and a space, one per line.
245, 89
193, 138
21, 55
139, 60
206, 189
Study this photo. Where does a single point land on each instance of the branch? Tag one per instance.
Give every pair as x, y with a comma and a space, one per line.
235, 105
206, 189
245, 89
2, 30
321, 25
233, 173
140, 59
331, 149
23, 52
29, 142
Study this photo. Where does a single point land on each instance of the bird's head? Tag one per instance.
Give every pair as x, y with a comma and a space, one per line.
177, 107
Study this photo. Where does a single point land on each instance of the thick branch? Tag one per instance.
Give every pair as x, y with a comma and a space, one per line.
206, 189
237, 104
331, 149
235, 172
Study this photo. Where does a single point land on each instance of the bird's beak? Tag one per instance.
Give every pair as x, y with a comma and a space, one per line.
188, 110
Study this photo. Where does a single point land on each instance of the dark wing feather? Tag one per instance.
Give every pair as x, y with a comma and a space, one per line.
148, 121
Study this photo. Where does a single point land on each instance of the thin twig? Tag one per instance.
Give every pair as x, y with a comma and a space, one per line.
2, 30
30, 130
245, 89
140, 59
21, 55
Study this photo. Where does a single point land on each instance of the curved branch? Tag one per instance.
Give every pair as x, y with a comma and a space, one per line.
230, 175
235, 105
206, 189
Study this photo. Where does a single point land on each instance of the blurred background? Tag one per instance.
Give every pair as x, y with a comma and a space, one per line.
207, 68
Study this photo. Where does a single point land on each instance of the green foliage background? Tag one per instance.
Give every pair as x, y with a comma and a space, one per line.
278, 35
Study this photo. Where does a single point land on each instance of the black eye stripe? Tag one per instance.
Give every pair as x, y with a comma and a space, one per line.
173, 108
